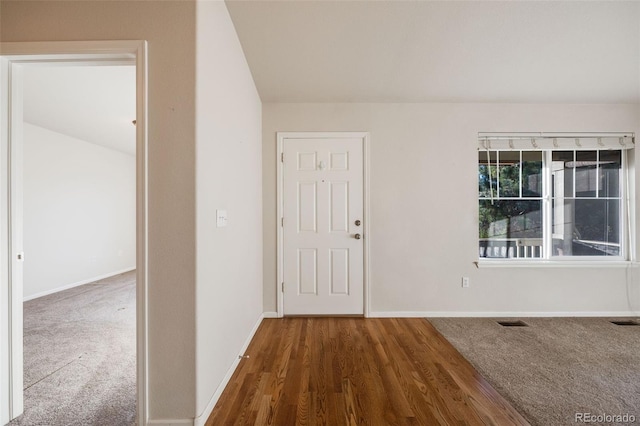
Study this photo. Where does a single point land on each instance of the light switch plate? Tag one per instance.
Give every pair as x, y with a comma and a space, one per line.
221, 218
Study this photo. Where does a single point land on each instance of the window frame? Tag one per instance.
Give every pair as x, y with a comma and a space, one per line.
546, 257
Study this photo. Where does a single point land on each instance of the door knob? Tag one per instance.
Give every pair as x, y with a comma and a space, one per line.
358, 222
357, 236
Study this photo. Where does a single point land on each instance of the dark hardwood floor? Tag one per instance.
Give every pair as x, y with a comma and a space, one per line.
356, 371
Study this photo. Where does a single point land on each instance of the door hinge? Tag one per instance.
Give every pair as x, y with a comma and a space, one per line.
282, 157
283, 287
282, 222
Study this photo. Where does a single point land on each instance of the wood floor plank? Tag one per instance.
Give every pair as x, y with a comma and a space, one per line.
303, 414
478, 391
356, 371
439, 385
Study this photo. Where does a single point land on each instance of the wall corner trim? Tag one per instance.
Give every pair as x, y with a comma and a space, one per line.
270, 314
204, 416
79, 283
170, 422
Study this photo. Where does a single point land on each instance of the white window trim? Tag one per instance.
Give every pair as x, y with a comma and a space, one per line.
544, 263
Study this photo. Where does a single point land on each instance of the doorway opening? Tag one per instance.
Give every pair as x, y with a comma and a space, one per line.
17, 60
78, 193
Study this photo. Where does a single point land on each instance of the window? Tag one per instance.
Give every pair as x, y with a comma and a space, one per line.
553, 198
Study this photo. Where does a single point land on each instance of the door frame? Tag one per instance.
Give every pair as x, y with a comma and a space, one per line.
281, 136
92, 53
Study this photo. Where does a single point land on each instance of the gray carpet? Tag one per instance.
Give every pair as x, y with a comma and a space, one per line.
79, 355
556, 367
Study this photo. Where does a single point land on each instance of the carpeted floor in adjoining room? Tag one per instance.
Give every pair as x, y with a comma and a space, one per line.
80, 355
555, 367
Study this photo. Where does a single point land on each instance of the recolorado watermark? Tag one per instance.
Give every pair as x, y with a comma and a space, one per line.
605, 418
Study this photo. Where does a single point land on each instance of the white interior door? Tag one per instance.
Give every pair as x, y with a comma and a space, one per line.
323, 262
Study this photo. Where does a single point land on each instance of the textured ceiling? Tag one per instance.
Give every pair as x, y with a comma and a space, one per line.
92, 103
449, 51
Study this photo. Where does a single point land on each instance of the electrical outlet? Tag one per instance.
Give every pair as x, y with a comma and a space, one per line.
465, 282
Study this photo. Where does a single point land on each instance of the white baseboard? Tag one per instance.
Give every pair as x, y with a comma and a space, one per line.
483, 314
202, 418
170, 422
270, 315
79, 283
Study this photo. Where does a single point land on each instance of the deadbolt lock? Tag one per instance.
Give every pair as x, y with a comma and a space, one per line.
358, 222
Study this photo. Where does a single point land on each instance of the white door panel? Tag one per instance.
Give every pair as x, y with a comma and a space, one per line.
322, 200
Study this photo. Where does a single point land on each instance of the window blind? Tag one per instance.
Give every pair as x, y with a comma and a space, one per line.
555, 141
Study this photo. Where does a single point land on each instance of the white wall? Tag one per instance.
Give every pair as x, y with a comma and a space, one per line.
424, 207
169, 28
228, 176
79, 211
204, 281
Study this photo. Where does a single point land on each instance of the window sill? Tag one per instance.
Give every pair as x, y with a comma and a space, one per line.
480, 264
